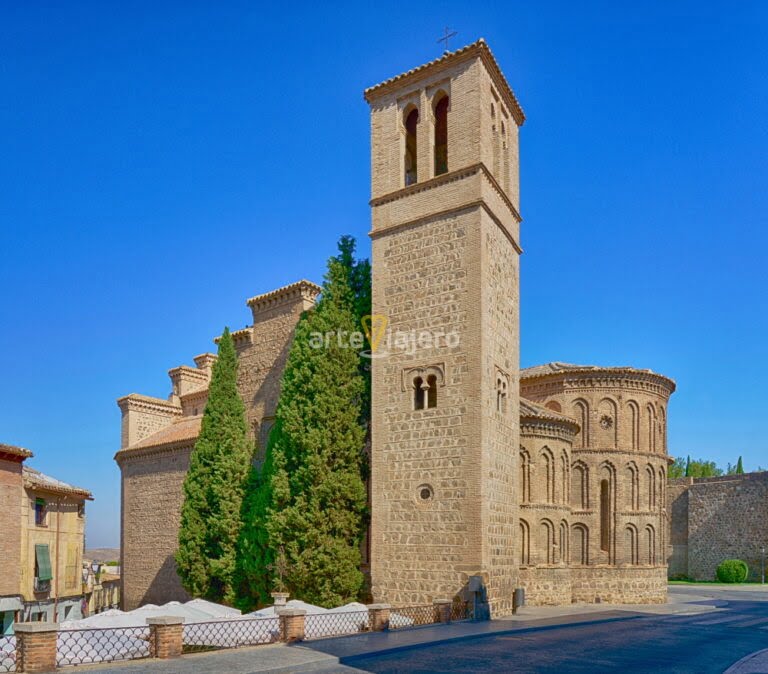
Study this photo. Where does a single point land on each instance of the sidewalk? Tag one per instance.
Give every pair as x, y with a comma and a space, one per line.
276, 658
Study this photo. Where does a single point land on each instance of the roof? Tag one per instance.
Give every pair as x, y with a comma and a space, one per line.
478, 48
557, 367
34, 479
532, 410
12, 451
185, 429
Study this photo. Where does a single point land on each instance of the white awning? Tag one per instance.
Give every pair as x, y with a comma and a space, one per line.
10, 604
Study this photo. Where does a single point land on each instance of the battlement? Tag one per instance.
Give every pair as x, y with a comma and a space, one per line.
303, 292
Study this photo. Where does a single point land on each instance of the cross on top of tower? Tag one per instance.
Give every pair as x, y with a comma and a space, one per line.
448, 34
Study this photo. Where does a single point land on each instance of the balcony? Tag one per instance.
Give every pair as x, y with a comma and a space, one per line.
42, 585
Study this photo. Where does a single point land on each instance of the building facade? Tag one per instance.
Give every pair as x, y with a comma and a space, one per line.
158, 435
482, 475
597, 499
43, 525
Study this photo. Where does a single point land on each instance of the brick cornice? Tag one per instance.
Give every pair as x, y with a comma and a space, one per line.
444, 179
136, 401
301, 290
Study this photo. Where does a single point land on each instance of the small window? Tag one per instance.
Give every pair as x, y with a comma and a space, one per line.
432, 391
418, 393
501, 395
41, 512
81, 510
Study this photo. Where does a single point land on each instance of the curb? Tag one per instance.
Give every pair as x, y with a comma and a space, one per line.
759, 658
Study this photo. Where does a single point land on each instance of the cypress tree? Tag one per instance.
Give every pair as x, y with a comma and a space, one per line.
318, 494
214, 486
255, 556
688, 466
739, 467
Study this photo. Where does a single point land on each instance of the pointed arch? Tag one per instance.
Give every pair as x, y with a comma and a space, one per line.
633, 486
564, 477
581, 414
633, 414
525, 476
580, 486
563, 543
547, 541
548, 464
525, 543
607, 423
410, 126
651, 481
650, 537
607, 496
631, 544
651, 414
580, 544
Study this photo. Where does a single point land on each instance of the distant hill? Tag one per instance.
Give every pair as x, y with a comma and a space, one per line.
103, 554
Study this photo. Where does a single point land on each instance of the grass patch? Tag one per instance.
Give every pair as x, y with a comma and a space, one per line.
707, 582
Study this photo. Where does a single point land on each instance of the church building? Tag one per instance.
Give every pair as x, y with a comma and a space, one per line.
550, 478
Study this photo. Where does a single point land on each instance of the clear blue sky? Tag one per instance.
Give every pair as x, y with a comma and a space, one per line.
160, 162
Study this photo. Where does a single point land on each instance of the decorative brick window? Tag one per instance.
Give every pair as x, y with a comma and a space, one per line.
502, 389
423, 384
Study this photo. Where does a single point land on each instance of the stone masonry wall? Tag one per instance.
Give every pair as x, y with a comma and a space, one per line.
425, 548
619, 585
726, 519
546, 586
677, 508
443, 484
501, 416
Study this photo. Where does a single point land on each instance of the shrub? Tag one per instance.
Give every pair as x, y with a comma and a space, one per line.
732, 571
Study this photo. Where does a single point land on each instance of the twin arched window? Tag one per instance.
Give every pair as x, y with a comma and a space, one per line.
411, 122
425, 392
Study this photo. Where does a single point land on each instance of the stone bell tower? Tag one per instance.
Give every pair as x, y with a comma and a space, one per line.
445, 212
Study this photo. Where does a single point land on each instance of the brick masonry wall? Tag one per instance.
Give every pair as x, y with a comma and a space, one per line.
622, 442
10, 526
152, 479
725, 520
151, 511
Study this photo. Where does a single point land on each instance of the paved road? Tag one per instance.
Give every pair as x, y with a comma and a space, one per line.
630, 642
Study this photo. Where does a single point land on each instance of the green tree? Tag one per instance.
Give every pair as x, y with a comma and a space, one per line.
677, 469
703, 468
688, 466
318, 508
215, 485
739, 467
359, 280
